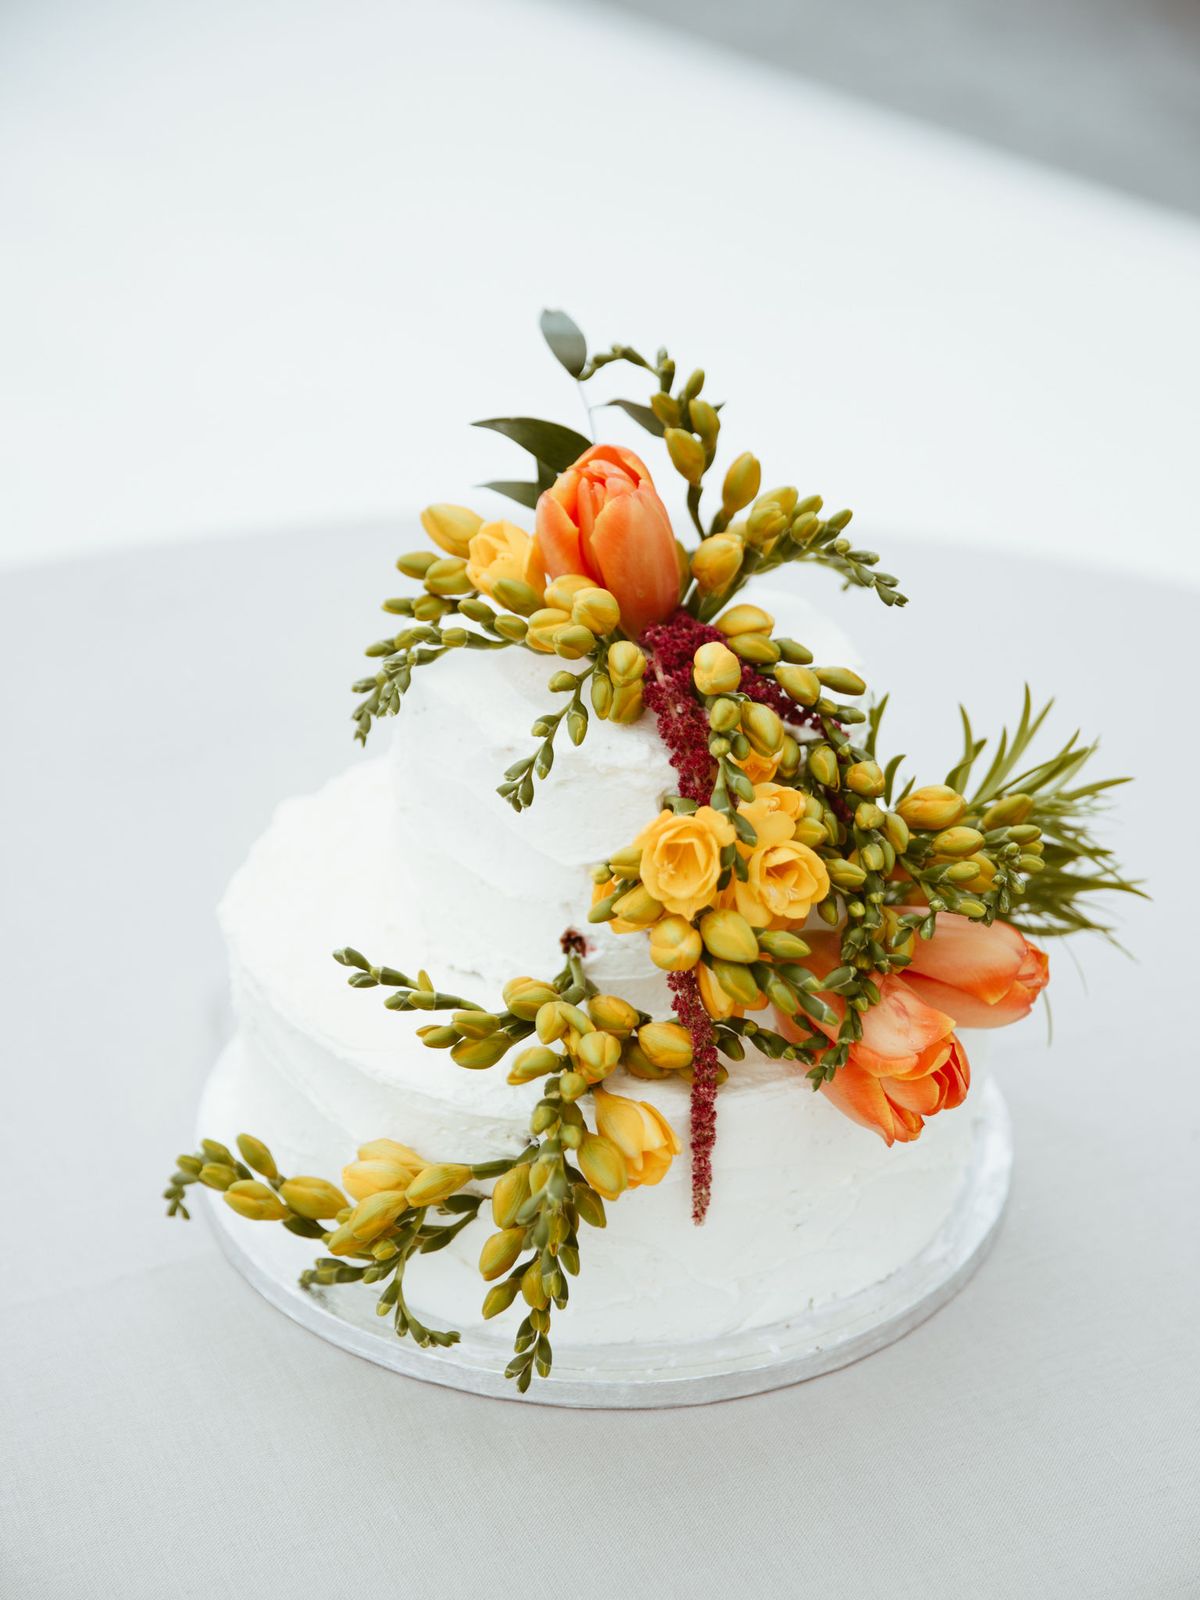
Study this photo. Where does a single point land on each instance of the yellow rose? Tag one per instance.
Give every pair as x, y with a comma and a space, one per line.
681, 858
646, 1140
783, 882
502, 550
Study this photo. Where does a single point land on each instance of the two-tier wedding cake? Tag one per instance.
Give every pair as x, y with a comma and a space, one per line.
681, 971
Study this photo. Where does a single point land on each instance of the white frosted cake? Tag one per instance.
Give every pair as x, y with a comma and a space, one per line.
414, 859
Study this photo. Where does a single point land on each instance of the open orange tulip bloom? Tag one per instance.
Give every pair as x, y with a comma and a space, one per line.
982, 977
907, 1066
602, 518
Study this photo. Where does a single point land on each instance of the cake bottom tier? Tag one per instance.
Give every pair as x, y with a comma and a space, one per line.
632, 1372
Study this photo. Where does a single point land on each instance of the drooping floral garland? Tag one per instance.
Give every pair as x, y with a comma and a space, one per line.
922, 898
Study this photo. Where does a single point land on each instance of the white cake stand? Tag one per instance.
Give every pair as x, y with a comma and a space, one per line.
649, 1375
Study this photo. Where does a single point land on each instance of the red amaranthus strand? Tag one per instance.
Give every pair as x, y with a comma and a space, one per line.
689, 1008
683, 728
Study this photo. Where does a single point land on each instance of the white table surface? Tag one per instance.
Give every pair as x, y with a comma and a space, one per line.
261, 263
166, 1432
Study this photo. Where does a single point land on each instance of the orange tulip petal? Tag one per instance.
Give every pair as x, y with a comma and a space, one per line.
859, 1096
557, 536
969, 956
634, 548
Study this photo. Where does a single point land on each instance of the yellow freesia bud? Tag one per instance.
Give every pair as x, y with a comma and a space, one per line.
524, 996
1014, 809
500, 1252
738, 982
533, 1288
841, 680
437, 1182
572, 641
626, 663
717, 562
789, 757
373, 1216
509, 1194
745, 619
614, 1015
766, 522
756, 648
666, 1045
800, 684
958, 841
478, 1054
597, 610
448, 576
741, 484
391, 1150
535, 1062
598, 1054
687, 454
674, 945
897, 832
499, 1297
763, 727
543, 625
379, 1176
865, 778
729, 936
255, 1201
627, 704
823, 766
638, 906
256, 1155
314, 1198
451, 527
715, 669
562, 591
644, 1138
601, 1164
932, 808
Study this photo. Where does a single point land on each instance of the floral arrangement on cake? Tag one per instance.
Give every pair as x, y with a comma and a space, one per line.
803, 900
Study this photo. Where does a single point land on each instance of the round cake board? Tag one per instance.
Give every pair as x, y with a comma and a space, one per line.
631, 1376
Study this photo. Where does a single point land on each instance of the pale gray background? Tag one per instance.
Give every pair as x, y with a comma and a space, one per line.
167, 1432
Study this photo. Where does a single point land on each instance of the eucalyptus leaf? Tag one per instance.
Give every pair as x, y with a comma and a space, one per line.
558, 447
525, 494
565, 340
641, 415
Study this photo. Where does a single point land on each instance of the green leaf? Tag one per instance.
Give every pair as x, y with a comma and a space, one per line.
565, 340
550, 442
525, 494
640, 414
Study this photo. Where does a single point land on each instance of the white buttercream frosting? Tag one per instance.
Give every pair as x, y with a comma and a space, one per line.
417, 862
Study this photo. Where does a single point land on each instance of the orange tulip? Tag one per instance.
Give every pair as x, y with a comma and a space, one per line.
907, 1066
602, 518
982, 977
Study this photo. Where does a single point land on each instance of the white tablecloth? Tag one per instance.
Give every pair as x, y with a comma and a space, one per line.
166, 1432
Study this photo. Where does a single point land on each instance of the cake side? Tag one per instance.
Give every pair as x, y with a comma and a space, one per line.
807, 1206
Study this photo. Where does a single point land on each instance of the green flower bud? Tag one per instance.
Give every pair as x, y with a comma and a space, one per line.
509, 1194
737, 981
724, 715
500, 1252
314, 1198
516, 596
841, 680
626, 663
614, 1015
1014, 808
217, 1175
896, 829
416, 563
686, 453
798, 683
665, 1044
865, 778
868, 815
823, 766
789, 757
741, 484
256, 1155
571, 1085
572, 642
589, 1205
804, 525
845, 874
477, 1054
666, 409
782, 946
514, 628
762, 727
707, 423
638, 906
533, 1289
524, 997
475, 1024
755, 648
499, 1297
435, 1183
729, 936
535, 1062
602, 695
255, 1201
958, 842
448, 576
